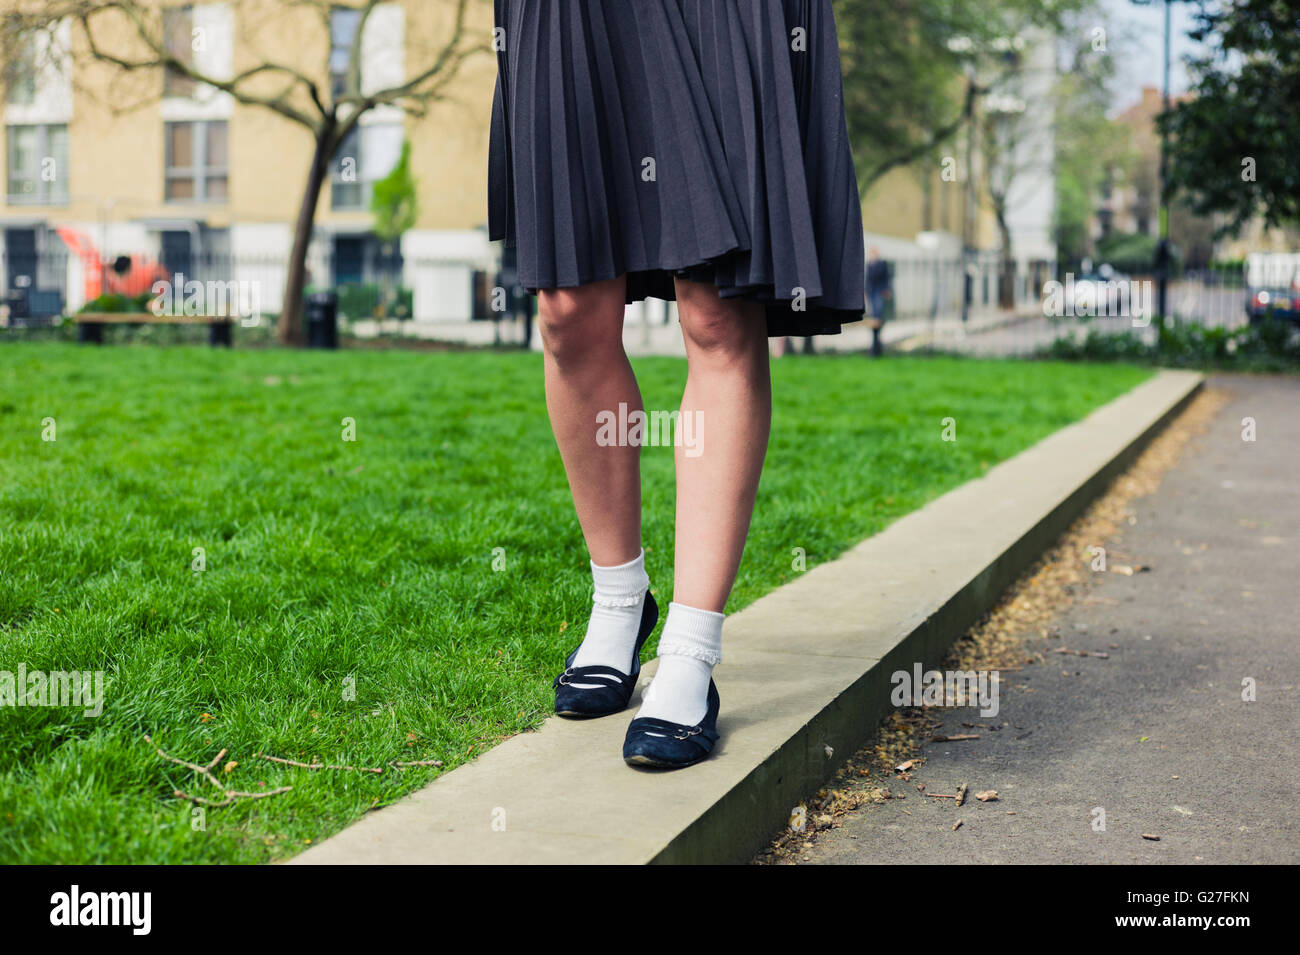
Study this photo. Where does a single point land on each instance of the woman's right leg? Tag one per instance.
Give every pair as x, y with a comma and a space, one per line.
587, 372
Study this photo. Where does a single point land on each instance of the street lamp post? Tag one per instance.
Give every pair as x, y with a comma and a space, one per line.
1164, 255
968, 216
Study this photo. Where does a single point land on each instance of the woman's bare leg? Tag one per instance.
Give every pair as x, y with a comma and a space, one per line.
587, 372
729, 391
728, 404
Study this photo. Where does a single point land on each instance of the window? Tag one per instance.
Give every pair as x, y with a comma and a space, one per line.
35, 71
178, 34
367, 155
20, 71
38, 165
344, 22
196, 161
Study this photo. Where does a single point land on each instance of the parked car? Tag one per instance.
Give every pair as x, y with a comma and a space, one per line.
1273, 285
1102, 292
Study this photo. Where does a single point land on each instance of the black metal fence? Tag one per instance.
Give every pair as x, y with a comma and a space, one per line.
975, 305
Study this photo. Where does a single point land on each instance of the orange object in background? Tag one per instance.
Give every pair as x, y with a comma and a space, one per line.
139, 275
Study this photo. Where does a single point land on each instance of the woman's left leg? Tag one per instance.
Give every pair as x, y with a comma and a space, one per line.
728, 400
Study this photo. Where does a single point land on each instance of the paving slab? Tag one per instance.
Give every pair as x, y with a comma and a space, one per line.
799, 691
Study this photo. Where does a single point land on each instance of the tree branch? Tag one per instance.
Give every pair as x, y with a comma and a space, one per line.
162, 59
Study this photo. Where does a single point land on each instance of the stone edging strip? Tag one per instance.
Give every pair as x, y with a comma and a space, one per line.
806, 679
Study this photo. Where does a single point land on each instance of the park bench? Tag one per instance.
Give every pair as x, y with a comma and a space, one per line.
90, 325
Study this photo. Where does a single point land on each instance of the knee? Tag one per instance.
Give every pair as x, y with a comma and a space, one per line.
578, 323
724, 331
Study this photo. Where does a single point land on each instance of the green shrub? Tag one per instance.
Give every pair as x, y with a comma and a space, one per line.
370, 300
1270, 345
116, 303
1133, 253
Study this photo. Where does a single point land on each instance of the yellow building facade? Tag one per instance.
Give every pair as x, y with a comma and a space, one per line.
102, 161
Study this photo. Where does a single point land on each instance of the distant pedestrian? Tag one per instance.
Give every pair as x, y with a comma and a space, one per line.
519, 304
880, 289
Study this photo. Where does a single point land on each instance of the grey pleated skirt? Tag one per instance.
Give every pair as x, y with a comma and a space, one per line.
697, 138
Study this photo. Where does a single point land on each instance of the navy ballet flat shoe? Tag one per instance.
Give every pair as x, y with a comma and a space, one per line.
608, 690
665, 745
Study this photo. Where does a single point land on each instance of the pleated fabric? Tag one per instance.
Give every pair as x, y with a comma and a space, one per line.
697, 138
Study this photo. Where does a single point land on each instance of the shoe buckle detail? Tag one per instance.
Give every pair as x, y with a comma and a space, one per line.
562, 680
687, 734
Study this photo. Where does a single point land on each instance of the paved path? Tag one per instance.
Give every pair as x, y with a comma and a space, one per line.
1157, 735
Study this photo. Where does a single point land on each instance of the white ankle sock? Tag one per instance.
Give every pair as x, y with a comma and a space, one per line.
689, 649
615, 616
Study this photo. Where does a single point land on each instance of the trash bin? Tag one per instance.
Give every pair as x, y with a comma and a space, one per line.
219, 334
322, 314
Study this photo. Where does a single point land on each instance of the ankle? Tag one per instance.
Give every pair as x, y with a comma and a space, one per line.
620, 585
691, 632
689, 649
618, 602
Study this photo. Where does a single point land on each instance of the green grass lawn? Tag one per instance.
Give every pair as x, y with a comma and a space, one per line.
349, 610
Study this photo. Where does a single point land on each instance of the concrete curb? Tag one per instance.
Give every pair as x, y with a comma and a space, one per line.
790, 710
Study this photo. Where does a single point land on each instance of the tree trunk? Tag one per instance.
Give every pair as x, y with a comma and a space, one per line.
290, 325
1007, 267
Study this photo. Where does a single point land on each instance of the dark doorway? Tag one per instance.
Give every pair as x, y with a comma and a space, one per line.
177, 254
20, 258
35, 266
349, 259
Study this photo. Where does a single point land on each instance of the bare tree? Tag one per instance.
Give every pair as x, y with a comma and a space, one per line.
1016, 141
130, 36
1005, 134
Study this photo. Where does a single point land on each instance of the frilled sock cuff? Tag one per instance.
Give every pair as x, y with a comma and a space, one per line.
691, 632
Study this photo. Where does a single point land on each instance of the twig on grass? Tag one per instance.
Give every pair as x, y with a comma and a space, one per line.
206, 772
314, 764
233, 794
395, 763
